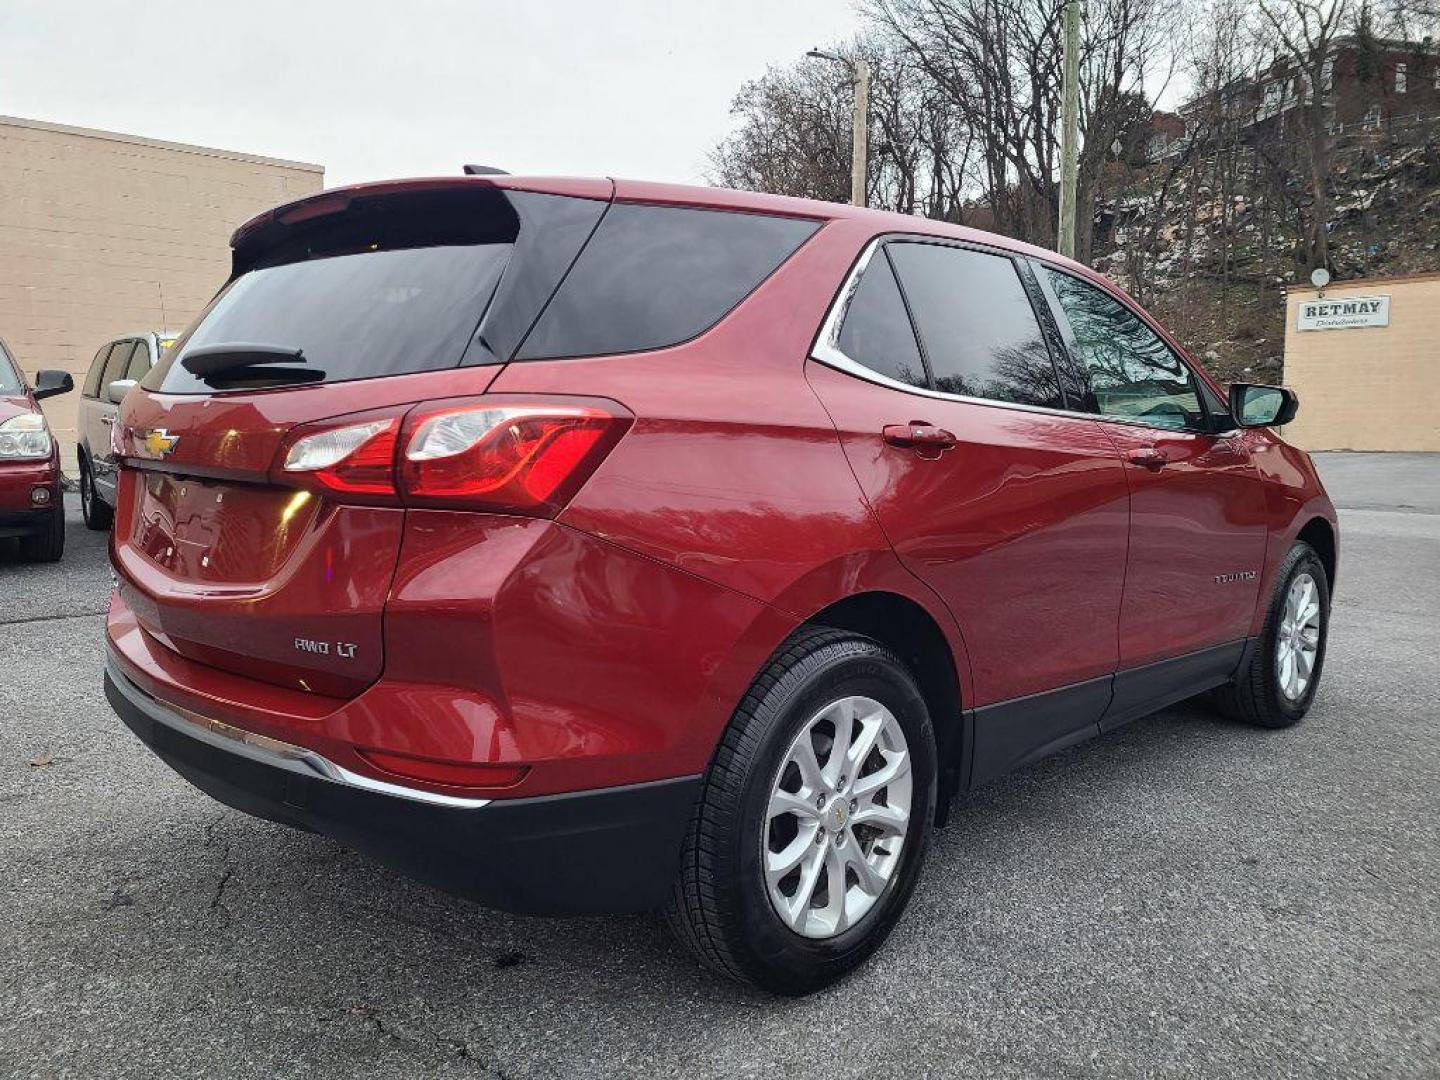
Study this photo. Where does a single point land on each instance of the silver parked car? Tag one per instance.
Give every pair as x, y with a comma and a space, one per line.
118, 366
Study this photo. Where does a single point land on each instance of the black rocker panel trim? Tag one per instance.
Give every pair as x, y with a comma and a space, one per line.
1144, 690
1011, 734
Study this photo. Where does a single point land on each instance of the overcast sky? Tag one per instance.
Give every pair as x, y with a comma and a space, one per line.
633, 88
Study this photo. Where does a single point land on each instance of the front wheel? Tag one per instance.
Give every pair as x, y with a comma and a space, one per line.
1276, 685
814, 818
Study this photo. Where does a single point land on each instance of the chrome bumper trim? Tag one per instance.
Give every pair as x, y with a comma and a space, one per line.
268, 751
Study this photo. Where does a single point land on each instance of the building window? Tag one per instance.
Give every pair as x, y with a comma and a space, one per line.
1400, 78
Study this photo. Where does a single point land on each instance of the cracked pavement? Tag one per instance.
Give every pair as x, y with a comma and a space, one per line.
1185, 897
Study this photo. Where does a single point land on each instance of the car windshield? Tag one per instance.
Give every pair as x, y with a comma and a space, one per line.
10, 381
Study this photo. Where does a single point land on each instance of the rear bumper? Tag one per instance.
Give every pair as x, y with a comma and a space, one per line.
606, 850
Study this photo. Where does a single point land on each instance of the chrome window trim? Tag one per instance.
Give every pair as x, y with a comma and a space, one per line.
272, 752
827, 351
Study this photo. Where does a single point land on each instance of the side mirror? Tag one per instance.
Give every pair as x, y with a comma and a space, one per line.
1253, 405
117, 390
50, 382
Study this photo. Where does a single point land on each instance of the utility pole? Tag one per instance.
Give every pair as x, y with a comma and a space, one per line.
859, 122
859, 132
1069, 130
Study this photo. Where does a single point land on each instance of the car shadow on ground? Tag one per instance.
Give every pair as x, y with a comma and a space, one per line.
370, 929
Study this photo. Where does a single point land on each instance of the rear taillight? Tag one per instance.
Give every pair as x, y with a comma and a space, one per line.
524, 457
499, 453
354, 459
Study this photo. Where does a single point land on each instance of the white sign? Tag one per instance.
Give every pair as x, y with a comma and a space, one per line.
1345, 313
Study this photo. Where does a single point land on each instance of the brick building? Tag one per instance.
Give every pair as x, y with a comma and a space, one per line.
1368, 84
104, 234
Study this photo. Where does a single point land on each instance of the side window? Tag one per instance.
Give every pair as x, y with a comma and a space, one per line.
1132, 372
877, 330
980, 334
653, 276
116, 365
97, 369
139, 362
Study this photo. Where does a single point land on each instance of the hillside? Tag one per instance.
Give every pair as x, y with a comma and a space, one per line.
1217, 279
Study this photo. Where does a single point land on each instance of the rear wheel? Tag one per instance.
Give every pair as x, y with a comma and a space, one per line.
49, 545
814, 818
96, 513
1277, 684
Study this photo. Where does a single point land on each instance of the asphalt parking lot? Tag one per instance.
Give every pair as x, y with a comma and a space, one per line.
1186, 897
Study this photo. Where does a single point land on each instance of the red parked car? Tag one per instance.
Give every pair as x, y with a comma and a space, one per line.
585, 546
31, 508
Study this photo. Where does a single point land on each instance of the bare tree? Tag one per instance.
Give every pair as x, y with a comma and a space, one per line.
998, 63
1305, 32
794, 135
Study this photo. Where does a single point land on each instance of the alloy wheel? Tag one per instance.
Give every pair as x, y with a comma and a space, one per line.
837, 818
1297, 644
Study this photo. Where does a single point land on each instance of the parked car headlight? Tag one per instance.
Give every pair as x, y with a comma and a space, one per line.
24, 437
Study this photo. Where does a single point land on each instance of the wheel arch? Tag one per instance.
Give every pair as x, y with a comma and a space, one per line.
1320, 535
907, 628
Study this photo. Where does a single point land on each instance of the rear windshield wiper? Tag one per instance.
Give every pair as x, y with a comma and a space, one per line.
241, 358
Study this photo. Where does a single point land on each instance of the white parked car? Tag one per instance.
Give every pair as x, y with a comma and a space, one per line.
118, 365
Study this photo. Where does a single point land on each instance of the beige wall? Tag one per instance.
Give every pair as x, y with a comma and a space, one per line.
1370, 388
104, 234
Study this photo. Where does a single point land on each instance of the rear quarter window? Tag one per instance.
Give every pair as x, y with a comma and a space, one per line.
654, 276
877, 330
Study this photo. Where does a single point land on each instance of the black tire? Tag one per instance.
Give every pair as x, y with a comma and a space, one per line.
97, 513
47, 546
720, 908
1255, 695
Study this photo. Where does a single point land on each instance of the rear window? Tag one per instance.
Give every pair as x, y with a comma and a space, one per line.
384, 286
353, 316
654, 276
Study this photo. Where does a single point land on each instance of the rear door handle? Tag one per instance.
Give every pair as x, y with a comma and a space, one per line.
925, 439
1148, 457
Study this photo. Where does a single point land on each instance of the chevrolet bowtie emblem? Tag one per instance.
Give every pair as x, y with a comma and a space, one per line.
158, 442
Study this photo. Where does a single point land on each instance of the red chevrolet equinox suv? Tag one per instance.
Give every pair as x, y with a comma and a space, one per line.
592, 546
